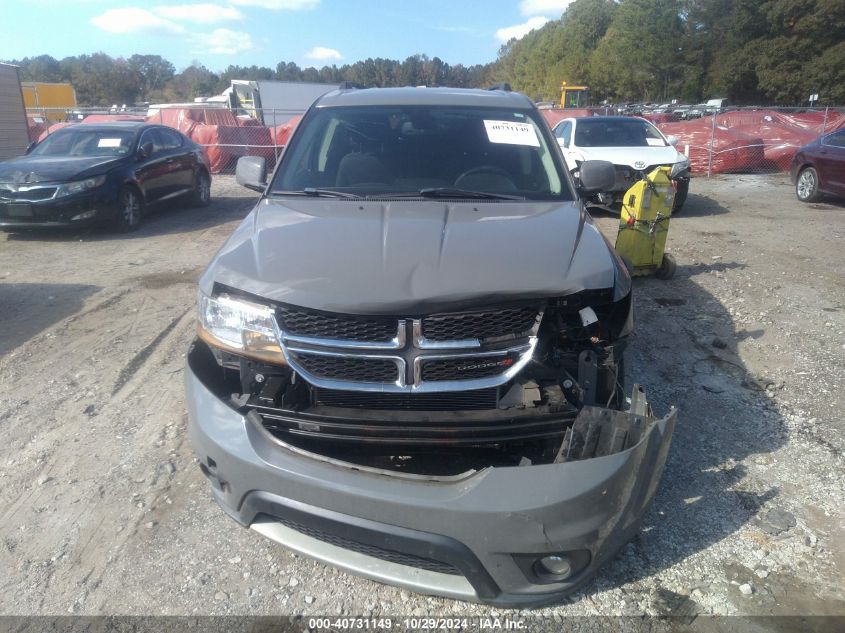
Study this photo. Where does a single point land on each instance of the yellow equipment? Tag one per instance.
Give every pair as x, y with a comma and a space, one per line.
50, 100
644, 225
574, 96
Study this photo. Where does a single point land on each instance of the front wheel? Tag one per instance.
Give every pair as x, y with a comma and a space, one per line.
680, 195
130, 211
201, 195
807, 185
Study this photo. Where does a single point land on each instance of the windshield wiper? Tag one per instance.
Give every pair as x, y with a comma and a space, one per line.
317, 193
451, 192
445, 192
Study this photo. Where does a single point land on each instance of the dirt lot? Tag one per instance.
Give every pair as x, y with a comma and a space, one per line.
104, 510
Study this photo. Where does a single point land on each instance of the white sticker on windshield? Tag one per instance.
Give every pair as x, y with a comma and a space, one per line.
512, 133
108, 142
655, 142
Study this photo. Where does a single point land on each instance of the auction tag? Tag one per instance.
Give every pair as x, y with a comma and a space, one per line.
512, 133
655, 142
108, 142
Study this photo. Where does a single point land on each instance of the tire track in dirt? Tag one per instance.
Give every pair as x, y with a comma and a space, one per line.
137, 361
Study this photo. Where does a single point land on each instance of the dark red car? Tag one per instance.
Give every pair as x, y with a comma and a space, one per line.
819, 168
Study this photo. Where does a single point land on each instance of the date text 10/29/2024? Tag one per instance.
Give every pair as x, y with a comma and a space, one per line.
421, 623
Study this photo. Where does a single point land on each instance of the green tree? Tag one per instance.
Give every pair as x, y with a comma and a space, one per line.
638, 55
154, 70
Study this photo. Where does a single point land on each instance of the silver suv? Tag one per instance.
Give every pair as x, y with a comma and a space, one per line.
410, 353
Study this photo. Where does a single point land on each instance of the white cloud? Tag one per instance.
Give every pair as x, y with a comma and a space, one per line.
222, 42
322, 53
201, 13
519, 31
134, 20
543, 7
278, 5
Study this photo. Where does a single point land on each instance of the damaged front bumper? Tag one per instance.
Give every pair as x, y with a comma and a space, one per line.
477, 536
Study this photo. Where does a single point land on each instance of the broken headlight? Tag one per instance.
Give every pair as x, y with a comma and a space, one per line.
239, 326
680, 167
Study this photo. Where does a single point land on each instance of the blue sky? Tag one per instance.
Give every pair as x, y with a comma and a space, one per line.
264, 32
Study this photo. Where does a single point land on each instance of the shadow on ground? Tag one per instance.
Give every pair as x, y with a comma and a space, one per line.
28, 309
828, 203
698, 206
684, 352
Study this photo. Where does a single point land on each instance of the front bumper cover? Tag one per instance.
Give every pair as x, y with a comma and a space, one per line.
101, 204
470, 536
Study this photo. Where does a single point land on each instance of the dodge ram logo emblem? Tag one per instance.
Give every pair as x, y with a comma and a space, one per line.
639, 164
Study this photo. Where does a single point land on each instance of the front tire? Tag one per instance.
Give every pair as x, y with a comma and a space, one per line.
130, 211
807, 185
680, 195
201, 195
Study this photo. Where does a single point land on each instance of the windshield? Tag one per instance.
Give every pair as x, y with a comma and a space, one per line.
617, 132
382, 150
82, 142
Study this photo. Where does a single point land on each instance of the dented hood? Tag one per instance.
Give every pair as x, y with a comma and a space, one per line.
411, 257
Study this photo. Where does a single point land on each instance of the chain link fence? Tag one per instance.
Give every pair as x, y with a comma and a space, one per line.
225, 135
750, 140
746, 140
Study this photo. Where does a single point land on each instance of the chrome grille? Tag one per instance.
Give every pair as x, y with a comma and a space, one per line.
314, 324
446, 352
356, 369
463, 368
480, 324
23, 193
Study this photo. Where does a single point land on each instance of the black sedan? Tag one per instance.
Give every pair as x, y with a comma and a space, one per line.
101, 173
819, 168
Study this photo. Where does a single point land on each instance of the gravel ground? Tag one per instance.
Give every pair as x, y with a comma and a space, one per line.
104, 510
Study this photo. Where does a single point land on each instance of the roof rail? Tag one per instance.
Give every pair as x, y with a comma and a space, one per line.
350, 85
503, 86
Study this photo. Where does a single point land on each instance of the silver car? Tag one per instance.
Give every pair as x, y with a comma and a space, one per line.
410, 361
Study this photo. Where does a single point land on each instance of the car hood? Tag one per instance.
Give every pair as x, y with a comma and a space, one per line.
411, 257
630, 156
32, 169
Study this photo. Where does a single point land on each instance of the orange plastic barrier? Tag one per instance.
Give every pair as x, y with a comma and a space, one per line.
733, 150
281, 133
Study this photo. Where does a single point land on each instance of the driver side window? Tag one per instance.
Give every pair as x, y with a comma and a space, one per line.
150, 136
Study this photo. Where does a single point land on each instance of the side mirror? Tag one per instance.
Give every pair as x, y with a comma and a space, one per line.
672, 139
597, 176
145, 150
251, 172
30, 147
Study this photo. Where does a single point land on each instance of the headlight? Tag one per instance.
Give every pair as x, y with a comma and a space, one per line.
78, 186
239, 326
680, 167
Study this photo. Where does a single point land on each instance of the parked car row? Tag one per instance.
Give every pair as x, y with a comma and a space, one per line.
674, 111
